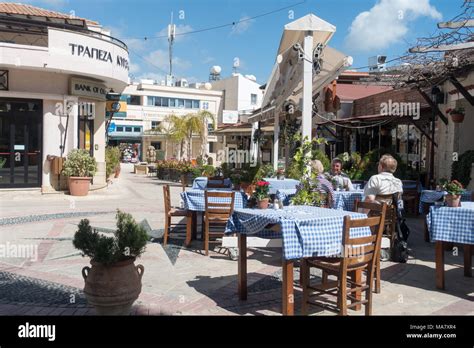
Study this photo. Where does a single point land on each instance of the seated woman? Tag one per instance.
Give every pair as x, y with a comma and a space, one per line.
319, 181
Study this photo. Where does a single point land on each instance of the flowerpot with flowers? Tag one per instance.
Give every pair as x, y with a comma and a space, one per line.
80, 167
457, 114
454, 190
113, 282
261, 194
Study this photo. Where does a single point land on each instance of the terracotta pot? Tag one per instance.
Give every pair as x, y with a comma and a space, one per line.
79, 186
457, 118
112, 289
117, 171
453, 200
263, 203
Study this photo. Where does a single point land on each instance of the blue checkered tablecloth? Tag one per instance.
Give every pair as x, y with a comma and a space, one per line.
343, 200
194, 199
200, 183
431, 196
276, 184
306, 231
452, 224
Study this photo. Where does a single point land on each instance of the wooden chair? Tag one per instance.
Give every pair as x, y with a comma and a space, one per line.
372, 209
359, 254
171, 212
219, 209
390, 217
411, 195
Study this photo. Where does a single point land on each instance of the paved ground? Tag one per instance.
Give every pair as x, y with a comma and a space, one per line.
180, 280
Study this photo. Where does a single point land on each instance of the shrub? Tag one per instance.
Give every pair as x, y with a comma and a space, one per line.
461, 169
112, 159
129, 240
264, 171
80, 163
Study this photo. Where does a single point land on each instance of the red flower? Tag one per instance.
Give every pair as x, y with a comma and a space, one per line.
263, 183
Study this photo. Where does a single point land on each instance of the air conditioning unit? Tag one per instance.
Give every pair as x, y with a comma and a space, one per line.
182, 83
377, 63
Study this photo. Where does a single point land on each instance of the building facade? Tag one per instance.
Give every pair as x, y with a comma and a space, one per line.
55, 73
148, 106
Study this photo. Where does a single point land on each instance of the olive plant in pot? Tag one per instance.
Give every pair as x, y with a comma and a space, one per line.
112, 161
113, 283
80, 167
454, 190
261, 193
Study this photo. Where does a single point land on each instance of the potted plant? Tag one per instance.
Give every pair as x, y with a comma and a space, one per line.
112, 161
262, 189
113, 282
457, 114
80, 167
236, 179
280, 174
454, 190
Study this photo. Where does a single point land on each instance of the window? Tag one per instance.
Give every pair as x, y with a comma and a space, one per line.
205, 105
195, 104
137, 129
210, 127
253, 99
128, 129
165, 102
180, 103
188, 104
119, 128
156, 145
134, 100
155, 124
173, 102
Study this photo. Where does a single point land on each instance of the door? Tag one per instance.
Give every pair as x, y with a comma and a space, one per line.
20, 143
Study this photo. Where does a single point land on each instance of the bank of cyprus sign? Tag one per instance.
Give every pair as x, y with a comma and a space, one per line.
88, 89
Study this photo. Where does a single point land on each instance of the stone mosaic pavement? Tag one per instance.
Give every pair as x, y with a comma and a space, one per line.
180, 280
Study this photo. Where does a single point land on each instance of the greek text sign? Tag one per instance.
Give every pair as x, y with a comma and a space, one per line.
90, 89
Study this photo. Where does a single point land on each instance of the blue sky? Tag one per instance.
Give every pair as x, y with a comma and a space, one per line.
364, 28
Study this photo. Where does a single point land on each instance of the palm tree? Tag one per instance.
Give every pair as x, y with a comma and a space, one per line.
177, 132
198, 123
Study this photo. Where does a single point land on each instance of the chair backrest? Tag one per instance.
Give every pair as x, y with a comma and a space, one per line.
167, 198
219, 204
391, 209
370, 208
362, 251
217, 182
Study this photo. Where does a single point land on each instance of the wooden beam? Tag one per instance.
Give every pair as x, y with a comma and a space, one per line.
433, 106
462, 90
441, 48
456, 25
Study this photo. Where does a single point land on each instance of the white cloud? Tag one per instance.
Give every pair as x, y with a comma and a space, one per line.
386, 23
242, 27
160, 59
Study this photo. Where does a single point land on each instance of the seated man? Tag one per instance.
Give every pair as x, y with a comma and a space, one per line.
384, 183
337, 176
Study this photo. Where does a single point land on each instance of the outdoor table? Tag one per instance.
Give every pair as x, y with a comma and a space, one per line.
305, 231
200, 183
276, 184
194, 202
343, 200
431, 196
452, 225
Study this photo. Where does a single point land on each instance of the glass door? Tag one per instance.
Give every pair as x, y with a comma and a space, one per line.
20, 143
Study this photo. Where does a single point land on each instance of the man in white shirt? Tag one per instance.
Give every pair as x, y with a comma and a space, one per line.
336, 175
384, 183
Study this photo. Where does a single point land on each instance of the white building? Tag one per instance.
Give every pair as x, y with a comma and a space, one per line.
149, 105
55, 72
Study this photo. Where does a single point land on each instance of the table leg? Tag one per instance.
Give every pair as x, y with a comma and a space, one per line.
288, 298
440, 265
189, 226
194, 224
426, 232
467, 260
242, 266
356, 277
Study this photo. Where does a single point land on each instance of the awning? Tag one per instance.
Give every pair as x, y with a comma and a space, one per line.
246, 131
334, 63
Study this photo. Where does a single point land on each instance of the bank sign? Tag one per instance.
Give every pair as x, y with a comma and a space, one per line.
88, 89
79, 52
